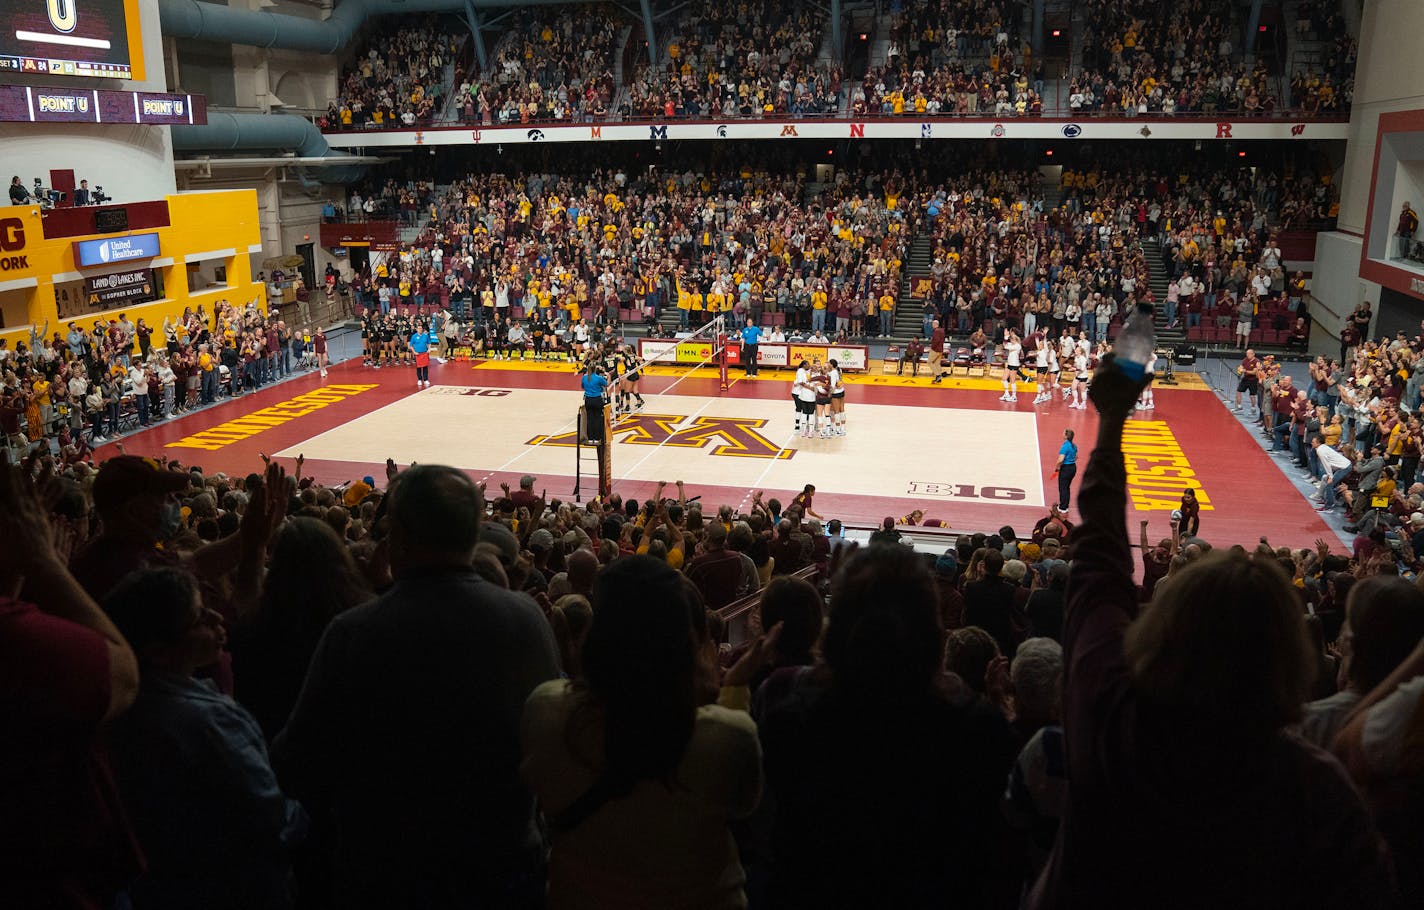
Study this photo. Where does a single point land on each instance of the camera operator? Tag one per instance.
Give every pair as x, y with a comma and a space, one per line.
82, 195
18, 194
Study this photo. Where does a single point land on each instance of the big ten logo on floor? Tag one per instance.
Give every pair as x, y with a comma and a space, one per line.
738, 435
964, 491
1157, 470
225, 434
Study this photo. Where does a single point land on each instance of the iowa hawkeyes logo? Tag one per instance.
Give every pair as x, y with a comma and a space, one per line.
535, 135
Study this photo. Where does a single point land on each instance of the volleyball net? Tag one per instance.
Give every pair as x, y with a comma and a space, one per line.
687, 354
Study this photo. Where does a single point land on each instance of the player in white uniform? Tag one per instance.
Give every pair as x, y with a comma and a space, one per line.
1144, 401
1040, 366
1013, 354
837, 399
802, 377
1079, 390
1054, 369
1067, 348
803, 392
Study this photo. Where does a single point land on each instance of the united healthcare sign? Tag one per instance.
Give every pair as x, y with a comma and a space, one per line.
113, 250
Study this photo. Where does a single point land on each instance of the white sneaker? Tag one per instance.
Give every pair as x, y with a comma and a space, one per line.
1004, 397
323, 374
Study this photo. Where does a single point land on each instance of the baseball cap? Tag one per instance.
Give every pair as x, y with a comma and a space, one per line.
125, 477
527, 480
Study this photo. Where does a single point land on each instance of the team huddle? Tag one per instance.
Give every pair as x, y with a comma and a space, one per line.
1038, 358
818, 392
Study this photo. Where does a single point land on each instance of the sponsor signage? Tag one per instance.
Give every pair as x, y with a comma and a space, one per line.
104, 291
852, 358
945, 129
111, 250
44, 104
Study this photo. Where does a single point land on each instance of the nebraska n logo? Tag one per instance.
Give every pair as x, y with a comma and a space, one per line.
735, 436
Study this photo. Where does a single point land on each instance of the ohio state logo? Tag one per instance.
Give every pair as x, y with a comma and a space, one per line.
998, 131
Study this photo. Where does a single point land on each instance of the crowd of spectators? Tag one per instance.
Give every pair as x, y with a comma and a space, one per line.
756, 58
69, 391
398, 79
952, 59
1149, 59
1003, 261
557, 66
244, 671
1351, 427
735, 242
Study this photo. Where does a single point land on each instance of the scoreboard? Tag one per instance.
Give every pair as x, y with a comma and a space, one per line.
91, 38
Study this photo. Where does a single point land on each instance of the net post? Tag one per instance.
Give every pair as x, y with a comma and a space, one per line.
605, 454
722, 352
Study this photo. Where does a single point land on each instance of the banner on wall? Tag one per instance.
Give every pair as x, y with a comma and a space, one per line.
116, 249
104, 291
1053, 129
851, 358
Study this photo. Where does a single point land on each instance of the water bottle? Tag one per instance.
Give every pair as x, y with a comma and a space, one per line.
1135, 343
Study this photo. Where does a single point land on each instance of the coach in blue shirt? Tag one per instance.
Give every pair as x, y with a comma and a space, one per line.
420, 345
751, 337
595, 386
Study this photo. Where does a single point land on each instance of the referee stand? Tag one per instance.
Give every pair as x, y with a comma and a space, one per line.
594, 454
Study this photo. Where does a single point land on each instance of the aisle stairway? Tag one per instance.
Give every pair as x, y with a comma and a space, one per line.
909, 311
1158, 279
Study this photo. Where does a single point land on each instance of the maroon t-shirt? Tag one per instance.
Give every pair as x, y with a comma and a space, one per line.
64, 841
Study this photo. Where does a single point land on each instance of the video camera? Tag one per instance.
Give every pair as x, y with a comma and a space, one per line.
48, 198
97, 196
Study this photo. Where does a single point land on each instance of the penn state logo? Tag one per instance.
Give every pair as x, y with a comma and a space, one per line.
1072, 131
535, 135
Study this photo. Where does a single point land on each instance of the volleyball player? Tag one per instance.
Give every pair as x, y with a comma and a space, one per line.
1067, 348
837, 399
1144, 401
1054, 369
368, 332
803, 396
820, 378
1013, 352
1078, 392
1040, 365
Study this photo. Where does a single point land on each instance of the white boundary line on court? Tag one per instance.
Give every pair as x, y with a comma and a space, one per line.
693, 416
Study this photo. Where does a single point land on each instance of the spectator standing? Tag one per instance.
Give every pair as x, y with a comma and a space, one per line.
638, 780
1182, 716
409, 718
192, 764
870, 766
66, 672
